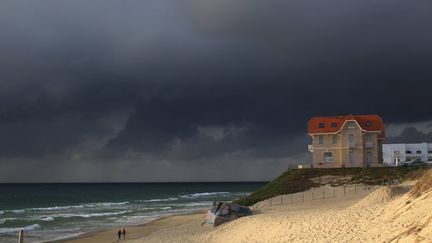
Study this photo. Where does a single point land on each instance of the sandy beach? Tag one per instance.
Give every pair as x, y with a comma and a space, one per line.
370, 214
275, 223
140, 231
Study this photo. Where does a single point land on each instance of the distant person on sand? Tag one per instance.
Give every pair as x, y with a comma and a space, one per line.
119, 234
124, 233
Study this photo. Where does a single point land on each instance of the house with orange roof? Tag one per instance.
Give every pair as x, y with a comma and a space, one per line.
346, 141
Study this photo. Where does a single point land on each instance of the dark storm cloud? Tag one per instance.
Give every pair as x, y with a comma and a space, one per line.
41, 123
411, 135
172, 86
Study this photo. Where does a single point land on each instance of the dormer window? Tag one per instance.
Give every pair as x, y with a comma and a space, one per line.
368, 123
351, 125
333, 125
321, 125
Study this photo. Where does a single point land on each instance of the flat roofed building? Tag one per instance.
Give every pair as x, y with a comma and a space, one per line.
397, 154
346, 141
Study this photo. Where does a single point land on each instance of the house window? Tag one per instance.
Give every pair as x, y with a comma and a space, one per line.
351, 125
418, 152
369, 157
396, 152
408, 159
333, 124
334, 139
320, 139
321, 125
351, 139
408, 152
351, 157
429, 151
368, 123
328, 157
429, 159
368, 138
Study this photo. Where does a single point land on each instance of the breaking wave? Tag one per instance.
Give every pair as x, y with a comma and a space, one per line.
90, 215
56, 208
47, 219
203, 194
17, 229
60, 208
160, 200
105, 204
17, 211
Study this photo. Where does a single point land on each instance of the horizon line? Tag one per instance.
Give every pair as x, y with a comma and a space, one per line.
130, 182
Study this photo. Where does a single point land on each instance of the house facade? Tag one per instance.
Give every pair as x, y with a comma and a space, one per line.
346, 141
397, 154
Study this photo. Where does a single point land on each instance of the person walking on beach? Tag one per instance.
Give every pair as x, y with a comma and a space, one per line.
124, 233
119, 234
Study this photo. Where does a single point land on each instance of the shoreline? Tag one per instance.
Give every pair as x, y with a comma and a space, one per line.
133, 231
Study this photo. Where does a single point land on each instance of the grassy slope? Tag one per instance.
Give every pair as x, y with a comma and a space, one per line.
299, 180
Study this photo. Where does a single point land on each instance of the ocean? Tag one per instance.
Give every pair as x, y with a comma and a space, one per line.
56, 211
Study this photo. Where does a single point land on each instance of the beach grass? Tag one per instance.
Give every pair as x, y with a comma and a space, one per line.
298, 180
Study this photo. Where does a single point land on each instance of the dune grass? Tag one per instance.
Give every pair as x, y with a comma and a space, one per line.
423, 185
298, 180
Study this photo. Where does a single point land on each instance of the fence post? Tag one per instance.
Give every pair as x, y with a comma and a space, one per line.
21, 236
344, 190
281, 199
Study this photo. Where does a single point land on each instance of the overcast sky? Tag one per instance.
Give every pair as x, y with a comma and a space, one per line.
200, 90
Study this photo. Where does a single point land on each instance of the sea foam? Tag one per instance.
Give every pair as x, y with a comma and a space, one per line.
160, 200
55, 208
105, 204
47, 219
203, 194
17, 229
61, 208
90, 215
17, 211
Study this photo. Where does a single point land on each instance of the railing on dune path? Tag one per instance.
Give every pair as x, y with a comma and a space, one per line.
324, 193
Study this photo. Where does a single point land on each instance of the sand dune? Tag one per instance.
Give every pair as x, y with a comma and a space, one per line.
381, 214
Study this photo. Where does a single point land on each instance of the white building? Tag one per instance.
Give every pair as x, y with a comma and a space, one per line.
396, 154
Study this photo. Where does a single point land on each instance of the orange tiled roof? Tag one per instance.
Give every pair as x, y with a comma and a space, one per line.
333, 124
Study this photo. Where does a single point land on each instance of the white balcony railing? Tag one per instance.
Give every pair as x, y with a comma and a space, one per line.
368, 144
351, 145
310, 147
